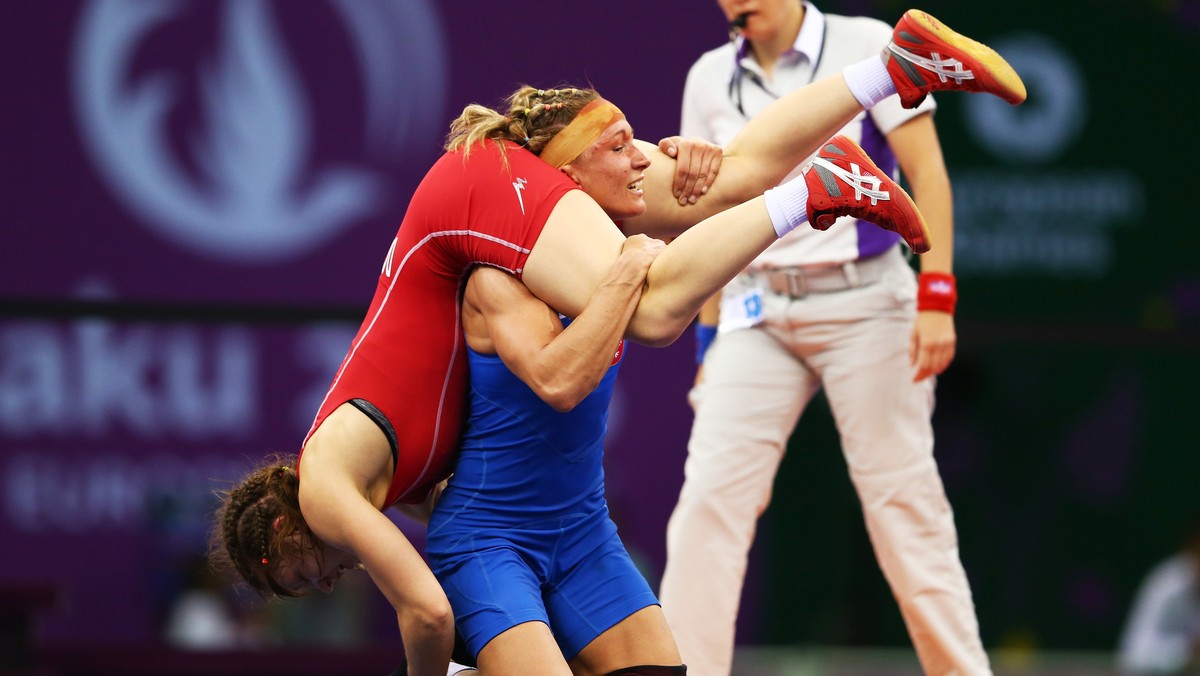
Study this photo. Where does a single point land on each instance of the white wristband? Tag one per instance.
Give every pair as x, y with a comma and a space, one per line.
788, 205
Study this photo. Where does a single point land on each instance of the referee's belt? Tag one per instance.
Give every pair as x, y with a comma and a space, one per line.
802, 280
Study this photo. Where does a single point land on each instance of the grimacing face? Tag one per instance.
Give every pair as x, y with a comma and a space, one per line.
611, 172
309, 568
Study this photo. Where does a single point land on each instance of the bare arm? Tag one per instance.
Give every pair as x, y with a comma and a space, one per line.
915, 144
341, 466
563, 366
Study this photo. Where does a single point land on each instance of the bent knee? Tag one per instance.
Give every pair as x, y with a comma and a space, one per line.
656, 331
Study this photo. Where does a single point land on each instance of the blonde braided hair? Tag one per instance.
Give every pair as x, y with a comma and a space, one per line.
534, 117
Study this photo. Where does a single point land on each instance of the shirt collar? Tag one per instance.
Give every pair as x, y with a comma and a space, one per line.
812, 33
808, 42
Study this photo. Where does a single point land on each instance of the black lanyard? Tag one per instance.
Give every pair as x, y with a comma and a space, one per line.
741, 73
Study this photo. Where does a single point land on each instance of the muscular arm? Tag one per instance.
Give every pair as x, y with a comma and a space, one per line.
563, 366
341, 469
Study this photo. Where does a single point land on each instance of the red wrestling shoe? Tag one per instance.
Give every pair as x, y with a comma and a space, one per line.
843, 181
926, 56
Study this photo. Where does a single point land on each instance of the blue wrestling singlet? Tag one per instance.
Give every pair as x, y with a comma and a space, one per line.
522, 532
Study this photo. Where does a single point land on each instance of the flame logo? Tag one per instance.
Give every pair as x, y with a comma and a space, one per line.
251, 195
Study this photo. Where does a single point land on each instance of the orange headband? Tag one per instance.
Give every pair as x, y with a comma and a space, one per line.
582, 132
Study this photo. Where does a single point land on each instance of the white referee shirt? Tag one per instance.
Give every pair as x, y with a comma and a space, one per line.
726, 87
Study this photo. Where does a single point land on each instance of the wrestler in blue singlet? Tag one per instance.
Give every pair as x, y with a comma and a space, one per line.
522, 532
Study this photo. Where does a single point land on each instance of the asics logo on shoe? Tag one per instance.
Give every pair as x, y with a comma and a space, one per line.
865, 185
945, 68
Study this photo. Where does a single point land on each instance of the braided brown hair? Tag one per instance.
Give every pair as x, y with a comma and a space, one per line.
534, 117
244, 540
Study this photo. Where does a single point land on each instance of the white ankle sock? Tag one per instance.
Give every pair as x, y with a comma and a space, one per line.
869, 81
788, 205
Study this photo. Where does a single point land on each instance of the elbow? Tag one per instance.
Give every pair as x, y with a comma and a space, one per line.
563, 396
562, 404
563, 407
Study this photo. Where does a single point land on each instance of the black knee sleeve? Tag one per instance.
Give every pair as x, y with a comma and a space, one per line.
461, 655
650, 670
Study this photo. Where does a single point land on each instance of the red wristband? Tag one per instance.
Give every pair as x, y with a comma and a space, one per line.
936, 291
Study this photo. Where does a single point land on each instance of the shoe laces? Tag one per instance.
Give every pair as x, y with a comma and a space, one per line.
864, 184
945, 68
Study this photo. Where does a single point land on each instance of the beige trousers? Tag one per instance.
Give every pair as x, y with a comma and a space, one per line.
854, 343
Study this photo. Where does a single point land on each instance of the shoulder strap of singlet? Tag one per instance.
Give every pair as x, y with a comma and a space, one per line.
384, 424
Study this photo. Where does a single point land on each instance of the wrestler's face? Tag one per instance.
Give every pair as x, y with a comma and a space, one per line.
611, 172
310, 568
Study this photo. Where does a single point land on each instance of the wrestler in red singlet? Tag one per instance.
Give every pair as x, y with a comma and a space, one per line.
408, 359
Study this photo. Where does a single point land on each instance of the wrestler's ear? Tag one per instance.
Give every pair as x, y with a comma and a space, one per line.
277, 525
572, 173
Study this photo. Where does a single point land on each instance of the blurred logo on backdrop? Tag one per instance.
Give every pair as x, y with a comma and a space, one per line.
230, 168
247, 131
1038, 211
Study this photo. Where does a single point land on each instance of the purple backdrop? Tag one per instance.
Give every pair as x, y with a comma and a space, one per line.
252, 152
